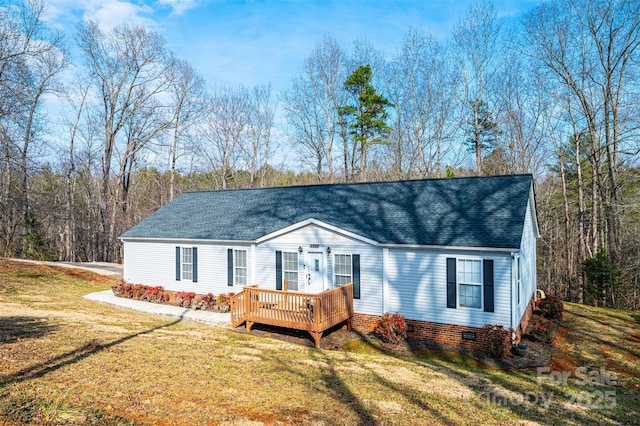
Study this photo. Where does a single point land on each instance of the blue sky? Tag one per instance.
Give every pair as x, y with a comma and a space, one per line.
232, 42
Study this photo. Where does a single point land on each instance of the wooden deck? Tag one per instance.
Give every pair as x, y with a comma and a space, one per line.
314, 313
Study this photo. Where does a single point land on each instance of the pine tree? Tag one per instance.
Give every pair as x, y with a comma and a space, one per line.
365, 117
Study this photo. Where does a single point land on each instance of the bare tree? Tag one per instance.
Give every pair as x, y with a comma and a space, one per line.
523, 102
311, 106
31, 58
257, 148
421, 86
588, 47
223, 131
127, 68
476, 47
188, 96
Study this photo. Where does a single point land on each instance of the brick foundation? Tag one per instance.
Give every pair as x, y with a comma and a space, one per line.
528, 314
444, 336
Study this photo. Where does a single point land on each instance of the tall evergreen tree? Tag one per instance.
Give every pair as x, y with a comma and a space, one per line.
482, 132
365, 117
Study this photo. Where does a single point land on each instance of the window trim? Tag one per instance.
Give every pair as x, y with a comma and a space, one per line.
479, 285
335, 275
296, 270
236, 267
183, 264
519, 280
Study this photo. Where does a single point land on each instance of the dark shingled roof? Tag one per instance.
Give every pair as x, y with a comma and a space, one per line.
464, 212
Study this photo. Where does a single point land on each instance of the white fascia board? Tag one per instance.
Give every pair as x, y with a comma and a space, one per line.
319, 223
533, 212
501, 250
185, 240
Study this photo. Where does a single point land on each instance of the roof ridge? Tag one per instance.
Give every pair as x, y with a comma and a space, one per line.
318, 185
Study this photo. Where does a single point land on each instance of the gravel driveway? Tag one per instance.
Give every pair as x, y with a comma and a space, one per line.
102, 268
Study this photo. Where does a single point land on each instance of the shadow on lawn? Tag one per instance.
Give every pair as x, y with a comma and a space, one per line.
93, 346
13, 329
520, 392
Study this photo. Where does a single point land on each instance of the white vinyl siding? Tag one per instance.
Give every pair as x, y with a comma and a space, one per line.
370, 301
154, 263
343, 269
470, 283
417, 288
527, 257
290, 269
187, 263
240, 267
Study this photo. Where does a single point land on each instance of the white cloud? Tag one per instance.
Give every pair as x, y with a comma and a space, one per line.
178, 6
113, 12
107, 13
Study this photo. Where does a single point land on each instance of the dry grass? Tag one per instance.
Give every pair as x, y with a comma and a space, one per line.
66, 360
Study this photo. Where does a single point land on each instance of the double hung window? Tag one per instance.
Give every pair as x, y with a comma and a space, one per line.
240, 267
342, 269
290, 269
187, 263
470, 283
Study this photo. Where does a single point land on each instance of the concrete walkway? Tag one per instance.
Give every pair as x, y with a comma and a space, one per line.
211, 318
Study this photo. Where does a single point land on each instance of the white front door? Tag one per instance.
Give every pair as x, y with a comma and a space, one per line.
315, 269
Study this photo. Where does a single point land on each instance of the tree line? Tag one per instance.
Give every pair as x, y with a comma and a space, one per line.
554, 95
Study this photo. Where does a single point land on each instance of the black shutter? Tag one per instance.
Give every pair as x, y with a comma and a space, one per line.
194, 259
230, 267
278, 270
177, 263
355, 259
487, 266
451, 282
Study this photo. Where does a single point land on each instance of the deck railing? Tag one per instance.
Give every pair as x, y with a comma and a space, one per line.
314, 313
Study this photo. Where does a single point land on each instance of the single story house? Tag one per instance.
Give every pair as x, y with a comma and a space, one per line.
450, 255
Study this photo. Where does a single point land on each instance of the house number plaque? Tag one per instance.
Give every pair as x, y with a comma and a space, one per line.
314, 245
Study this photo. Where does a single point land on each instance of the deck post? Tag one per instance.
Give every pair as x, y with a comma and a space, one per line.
317, 336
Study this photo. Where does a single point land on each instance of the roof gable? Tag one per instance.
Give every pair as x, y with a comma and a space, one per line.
464, 212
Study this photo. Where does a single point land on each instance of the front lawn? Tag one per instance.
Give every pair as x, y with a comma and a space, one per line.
64, 359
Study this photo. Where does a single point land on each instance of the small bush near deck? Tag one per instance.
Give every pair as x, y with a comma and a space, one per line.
541, 329
223, 302
392, 328
551, 307
185, 299
498, 339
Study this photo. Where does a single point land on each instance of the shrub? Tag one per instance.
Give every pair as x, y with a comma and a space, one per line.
139, 291
197, 303
498, 339
208, 301
551, 307
541, 329
118, 289
185, 298
222, 303
392, 328
122, 289
156, 294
